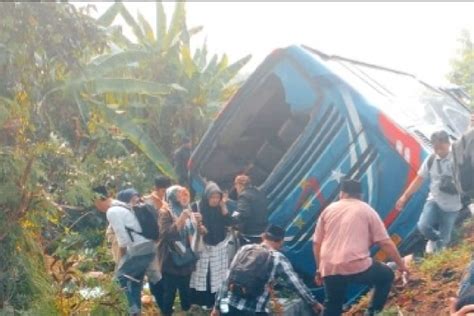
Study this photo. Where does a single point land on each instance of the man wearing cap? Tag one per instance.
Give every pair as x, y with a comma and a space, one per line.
229, 302
442, 206
125, 199
345, 232
136, 251
251, 214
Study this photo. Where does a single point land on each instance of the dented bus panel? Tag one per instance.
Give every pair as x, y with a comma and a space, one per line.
304, 120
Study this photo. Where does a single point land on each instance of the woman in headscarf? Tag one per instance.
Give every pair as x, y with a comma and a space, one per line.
213, 263
177, 225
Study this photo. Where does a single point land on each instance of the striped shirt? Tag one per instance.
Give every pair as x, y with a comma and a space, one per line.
281, 268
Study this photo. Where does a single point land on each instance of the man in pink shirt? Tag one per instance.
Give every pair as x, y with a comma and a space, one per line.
345, 232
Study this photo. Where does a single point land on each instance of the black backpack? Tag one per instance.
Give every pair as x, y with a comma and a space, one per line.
148, 220
250, 272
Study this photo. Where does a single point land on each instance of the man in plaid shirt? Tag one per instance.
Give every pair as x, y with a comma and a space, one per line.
272, 241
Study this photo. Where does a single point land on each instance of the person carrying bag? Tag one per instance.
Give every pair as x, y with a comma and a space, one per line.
180, 231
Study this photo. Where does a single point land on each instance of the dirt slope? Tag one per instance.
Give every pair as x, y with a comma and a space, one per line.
432, 282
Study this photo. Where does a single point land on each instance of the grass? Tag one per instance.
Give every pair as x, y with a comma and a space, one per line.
432, 265
432, 281
152, 310
391, 311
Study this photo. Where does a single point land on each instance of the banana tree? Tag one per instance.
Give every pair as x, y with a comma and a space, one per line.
167, 59
153, 89
108, 85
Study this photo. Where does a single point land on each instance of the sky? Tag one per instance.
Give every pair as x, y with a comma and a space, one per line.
420, 38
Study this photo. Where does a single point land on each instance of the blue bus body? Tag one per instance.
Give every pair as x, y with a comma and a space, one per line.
303, 120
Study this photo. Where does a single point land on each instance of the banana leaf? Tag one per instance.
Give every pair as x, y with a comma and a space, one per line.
116, 61
188, 63
126, 85
137, 136
176, 26
146, 27
109, 16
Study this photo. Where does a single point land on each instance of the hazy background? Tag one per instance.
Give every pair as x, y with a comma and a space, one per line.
420, 38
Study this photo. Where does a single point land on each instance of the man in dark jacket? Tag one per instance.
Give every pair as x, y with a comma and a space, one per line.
252, 211
463, 158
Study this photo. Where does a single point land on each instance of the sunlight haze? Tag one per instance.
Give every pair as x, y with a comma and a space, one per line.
419, 38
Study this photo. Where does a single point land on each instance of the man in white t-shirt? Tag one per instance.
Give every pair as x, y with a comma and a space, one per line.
123, 220
444, 202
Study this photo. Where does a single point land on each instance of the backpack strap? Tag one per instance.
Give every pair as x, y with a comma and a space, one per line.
431, 161
129, 231
440, 171
438, 167
275, 260
149, 208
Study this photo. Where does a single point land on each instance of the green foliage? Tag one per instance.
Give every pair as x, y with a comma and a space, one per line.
143, 141
75, 113
24, 280
391, 311
49, 159
434, 264
113, 303
199, 86
462, 72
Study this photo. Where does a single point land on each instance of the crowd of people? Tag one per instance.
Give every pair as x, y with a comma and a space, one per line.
180, 246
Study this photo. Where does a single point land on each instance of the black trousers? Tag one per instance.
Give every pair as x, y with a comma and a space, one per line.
379, 275
204, 298
171, 284
157, 291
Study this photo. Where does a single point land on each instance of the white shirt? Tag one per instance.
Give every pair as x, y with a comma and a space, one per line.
447, 202
120, 216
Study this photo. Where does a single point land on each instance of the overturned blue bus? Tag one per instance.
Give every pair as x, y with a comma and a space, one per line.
304, 119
